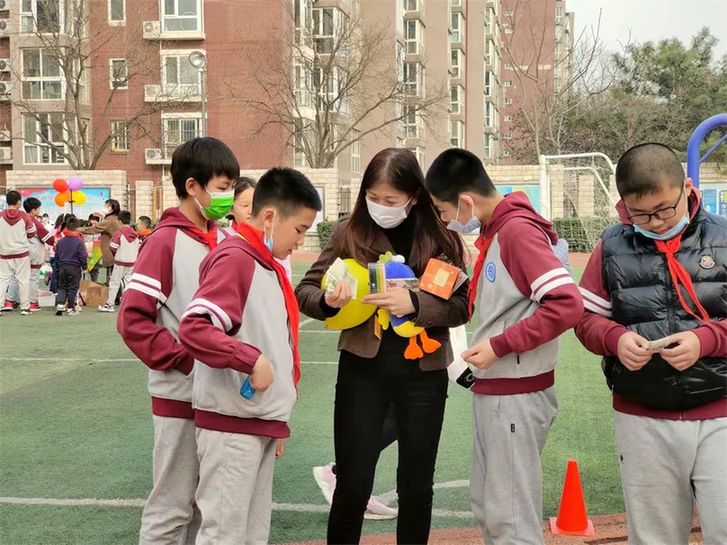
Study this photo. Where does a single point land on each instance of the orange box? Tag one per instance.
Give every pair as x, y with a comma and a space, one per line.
440, 278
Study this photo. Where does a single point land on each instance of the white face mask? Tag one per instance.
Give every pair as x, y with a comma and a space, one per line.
387, 217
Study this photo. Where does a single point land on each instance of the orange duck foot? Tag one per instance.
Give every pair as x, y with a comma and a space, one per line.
428, 344
413, 352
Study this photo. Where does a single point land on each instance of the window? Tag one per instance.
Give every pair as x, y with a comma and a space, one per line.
507, 136
118, 74
489, 80
508, 66
489, 142
326, 21
303, 83
508, 118
303, 21
414, 79
455, 101
117, 12
412, 122
508, 101
177, 130
40, 16
508, 29
414, 37
299, 159
490, 52
489, 117
355, 151
559, 13
419, 153
506, 153
509, 13
508, 83
456, 134
45, 137
182, 16
42, 78
457, 27
456, 68
411, 5
119, 135
180, 76
327, 83
455, 3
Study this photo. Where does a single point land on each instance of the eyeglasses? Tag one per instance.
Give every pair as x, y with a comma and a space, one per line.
661, 214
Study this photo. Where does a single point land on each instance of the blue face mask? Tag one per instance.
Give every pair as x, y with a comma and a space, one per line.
269, 241
464, 228
670, 234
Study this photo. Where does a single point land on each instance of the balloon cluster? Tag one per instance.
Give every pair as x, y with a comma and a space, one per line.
69, 191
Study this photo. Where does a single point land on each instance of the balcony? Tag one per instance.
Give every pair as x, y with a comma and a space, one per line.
179, 93
152, 30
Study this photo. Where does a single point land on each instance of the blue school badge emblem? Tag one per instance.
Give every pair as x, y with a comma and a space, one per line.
490, 272
706, 262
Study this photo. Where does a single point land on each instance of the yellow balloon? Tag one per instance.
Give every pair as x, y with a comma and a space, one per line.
79, 197
353, 313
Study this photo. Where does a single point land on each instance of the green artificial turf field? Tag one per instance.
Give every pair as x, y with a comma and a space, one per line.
75, 424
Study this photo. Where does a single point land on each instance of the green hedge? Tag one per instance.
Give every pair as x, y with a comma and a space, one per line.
325, 231
582, 233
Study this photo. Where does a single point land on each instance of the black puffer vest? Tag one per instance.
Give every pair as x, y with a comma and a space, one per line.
637, 279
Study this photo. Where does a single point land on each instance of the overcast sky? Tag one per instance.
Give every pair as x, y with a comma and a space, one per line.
651, 20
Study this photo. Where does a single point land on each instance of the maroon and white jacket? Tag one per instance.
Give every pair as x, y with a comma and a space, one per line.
164, 281
16, 231
124, 246
38, 242
526, 299
237, 314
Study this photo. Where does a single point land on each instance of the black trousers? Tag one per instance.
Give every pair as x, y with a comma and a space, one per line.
69, 279
365, 392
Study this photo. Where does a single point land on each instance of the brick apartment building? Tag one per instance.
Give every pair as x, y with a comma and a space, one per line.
154, 67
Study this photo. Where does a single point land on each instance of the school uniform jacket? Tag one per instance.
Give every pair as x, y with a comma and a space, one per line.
164, 280
525, 300
38, 242
125, 246
237, 314
16, 231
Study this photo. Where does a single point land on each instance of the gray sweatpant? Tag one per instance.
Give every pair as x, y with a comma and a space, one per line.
507, 480
235, 492
665, 466
168, 513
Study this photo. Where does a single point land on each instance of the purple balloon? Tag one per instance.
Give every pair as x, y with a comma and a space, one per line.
75, 184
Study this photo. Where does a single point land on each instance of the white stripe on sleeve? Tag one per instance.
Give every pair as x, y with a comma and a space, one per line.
221, 314
543, 278
596, 309
551, 285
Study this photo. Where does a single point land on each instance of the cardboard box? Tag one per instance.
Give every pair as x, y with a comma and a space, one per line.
92, 294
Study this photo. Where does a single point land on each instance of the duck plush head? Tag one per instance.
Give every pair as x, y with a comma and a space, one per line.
396, 271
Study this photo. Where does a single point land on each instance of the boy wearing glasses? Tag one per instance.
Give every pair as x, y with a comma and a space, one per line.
655, 292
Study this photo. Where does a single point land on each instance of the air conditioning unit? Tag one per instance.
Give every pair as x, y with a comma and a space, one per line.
6, 88
4, 63
4, 27
6, 154
4, 5
154, 154
151, 30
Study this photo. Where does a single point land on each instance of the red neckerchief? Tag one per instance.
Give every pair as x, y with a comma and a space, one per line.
255, 239
209, 238
679, 275
67, 233
482, 244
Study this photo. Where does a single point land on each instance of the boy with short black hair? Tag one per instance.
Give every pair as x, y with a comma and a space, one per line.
526, 300
143, 227
72, 258
37, 248
125, 248
164, 280
16, 232
235, 328
655, 291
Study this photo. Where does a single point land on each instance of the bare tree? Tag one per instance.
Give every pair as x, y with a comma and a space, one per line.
553, 84
332, 90
59, 45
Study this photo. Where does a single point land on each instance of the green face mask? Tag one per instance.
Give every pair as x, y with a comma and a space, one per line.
220, 204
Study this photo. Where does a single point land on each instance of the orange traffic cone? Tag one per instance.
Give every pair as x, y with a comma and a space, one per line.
572, 518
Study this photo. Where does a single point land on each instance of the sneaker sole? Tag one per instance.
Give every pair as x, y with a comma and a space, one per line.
371, 516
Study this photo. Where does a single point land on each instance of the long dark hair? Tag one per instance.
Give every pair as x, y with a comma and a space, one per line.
399, 167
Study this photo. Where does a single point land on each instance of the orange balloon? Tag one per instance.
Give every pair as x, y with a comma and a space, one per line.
60, 185
61, 199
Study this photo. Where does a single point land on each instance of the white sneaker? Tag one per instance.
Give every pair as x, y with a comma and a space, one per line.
60, 309
106, 308
72, 312
376, 510
25, 312
326, 480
